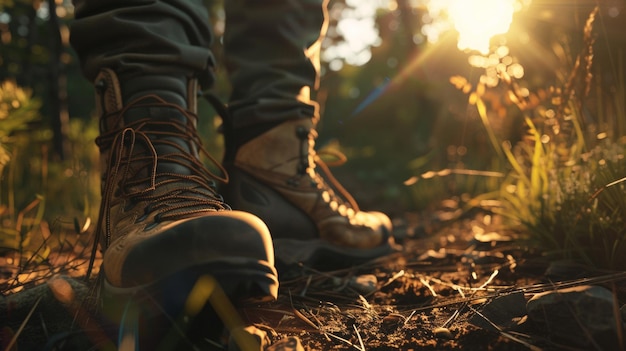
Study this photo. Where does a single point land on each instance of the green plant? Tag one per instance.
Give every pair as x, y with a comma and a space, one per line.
565, 180
45, 204
17, 111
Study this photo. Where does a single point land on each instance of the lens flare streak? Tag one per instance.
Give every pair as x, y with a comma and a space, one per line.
373, 96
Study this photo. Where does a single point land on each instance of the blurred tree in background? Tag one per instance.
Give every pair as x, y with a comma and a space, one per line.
53, 158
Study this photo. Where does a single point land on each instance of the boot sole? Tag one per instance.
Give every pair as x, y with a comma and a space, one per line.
322, 255
186, 309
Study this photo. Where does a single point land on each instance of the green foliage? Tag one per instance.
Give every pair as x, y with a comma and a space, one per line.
565, 185
571, 210
589, 223
35, 190
17, 111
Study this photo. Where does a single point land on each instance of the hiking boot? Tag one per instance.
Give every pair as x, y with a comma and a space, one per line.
312, 218
162, 224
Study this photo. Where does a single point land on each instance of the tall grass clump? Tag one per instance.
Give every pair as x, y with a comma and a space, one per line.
565, 184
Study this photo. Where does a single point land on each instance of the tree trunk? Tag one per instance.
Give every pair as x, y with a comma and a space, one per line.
58, 87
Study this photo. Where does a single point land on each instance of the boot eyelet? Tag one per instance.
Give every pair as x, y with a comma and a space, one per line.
157, 218
148, 208
141, 219
302, 132
101, 85
150, 226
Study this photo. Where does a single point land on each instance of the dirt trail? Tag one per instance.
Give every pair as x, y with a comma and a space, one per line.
460, 285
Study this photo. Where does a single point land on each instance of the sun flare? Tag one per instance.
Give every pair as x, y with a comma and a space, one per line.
477, 21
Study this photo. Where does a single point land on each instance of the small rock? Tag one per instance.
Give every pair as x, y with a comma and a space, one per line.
567, 270
492, 236
578, 316
393, 318
392, 321
61, 289
486, 241
52, 315
433, 255
364, 284
504, 311
336, 281
443, 333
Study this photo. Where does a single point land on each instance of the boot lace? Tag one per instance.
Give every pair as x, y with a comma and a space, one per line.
310, 160
132, 173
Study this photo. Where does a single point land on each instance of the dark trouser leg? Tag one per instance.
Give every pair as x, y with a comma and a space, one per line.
272, 55
163, 40
272, 50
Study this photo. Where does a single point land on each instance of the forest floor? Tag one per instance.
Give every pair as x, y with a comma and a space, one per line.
454, 285
460, 284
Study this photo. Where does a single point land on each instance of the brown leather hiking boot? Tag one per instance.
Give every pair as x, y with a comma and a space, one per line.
162, 224
312, 218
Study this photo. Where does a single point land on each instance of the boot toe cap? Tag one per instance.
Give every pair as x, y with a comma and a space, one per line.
229, 236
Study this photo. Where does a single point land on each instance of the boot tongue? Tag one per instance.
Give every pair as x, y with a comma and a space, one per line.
172, 91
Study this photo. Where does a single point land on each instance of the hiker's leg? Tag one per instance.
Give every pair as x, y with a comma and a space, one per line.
272, 53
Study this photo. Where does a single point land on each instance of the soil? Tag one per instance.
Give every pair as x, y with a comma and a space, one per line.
454, 285
437, 292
